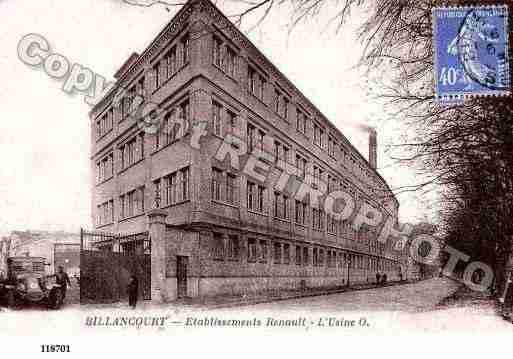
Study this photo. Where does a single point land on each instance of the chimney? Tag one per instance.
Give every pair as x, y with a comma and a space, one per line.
373, 148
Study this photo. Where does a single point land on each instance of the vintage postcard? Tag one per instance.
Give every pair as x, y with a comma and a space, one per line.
239, 168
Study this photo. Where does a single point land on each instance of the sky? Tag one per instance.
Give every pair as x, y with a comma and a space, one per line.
45, 134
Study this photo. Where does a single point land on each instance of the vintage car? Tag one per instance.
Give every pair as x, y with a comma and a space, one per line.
26, 282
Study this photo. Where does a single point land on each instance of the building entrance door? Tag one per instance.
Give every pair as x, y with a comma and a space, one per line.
181, 275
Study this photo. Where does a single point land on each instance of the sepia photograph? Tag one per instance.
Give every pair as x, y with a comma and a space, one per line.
264, 166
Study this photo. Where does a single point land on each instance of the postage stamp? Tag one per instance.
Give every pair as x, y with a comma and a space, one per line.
471, 52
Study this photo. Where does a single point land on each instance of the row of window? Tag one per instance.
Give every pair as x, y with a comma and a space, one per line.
173, 125
257, 83
173, 188
225, 58
131, 203
229, 247
132, 151
225, 122
105, 168
281, 151
224, 188
170, 189
174, 59
105, 124
105, 213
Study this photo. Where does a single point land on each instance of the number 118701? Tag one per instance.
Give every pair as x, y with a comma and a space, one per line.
55, 348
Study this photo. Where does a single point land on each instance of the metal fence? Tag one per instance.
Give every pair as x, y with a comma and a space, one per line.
107, 260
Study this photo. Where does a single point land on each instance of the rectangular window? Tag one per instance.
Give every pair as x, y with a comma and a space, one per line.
185, 112
111, 205
315, 258
231, 189
185, 183
156, 75
140, 88
298, 255
281, 206
233, 247
251, 188
224, 188
105, 168
121, 206
260, 199
132, 151
218, 246
131, 203
158, 193
277, 253
321, 257
318, 135
251, 80
285, 111
105, 124
230, 62
250, 134
217, 51
299, 214
169, 129
281, 152
170, 59
331, 146
263, 251
259, 143
139, 200
286, 253
255, 197
176, 187
185, 49
232, 123
305, 256
301, 166
256, 83
261, 87
252, 250
301, 121
216, 118
105, 213
318, 219
276, 101
277, 146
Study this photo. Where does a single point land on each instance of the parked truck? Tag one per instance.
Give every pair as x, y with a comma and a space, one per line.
26, 282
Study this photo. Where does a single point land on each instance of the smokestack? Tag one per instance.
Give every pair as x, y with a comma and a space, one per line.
373, 148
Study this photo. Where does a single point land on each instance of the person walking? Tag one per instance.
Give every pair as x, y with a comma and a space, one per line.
133, 291
384, 278
63, 281
378, 277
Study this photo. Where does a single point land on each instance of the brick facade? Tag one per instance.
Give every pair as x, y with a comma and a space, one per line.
224, 80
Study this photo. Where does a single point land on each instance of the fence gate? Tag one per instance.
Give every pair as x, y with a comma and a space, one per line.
108, 260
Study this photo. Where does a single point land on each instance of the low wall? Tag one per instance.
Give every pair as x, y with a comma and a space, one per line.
215, 286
